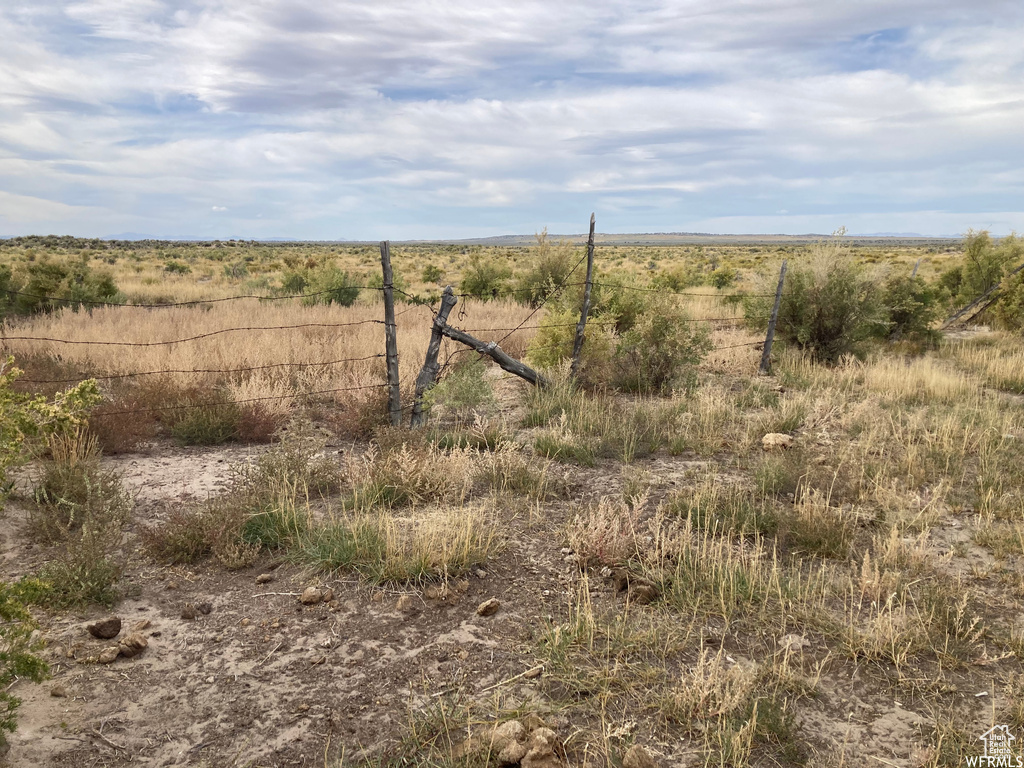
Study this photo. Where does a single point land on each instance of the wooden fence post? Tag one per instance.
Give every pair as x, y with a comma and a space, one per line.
916, 265
766, 355
430, 369
581, 326
391, 336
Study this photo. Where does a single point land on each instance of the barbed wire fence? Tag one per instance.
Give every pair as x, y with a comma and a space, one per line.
394, 385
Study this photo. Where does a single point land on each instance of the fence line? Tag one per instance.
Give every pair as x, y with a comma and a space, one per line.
216, 403
199, 370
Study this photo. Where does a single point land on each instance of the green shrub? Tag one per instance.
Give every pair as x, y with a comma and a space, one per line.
294, 282
177, 267
986, 262
549, 267
1009, 309
18, 659
660, 351
24, 418
205, 424
913, 308
829, 307
52, 285
432, 274
464, 389
484, 277
679, 278
723, 277
331, 286
75, 492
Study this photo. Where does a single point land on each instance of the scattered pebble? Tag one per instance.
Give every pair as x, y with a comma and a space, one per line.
105, 629
311, 596
488, 607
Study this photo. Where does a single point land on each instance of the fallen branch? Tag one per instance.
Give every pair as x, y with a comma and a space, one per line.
497, 354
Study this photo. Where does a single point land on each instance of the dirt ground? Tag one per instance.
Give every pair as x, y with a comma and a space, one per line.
263, 680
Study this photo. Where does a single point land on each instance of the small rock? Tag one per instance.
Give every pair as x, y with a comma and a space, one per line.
512, 753
638, 757
328, 595
264, 578
105, 629
109, 655
133, 645
59, 691
311, 596
794, 643
480, 573
437, 592
541, 753
404, 604
776, 441
188, 612
537, 671
204, 608
488, 607
142, 625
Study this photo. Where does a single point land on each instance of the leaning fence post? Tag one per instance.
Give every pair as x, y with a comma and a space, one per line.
916, 265
430, 369
391, 336
766, 355
581, 326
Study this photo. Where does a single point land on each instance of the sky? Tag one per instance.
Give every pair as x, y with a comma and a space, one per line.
409, 119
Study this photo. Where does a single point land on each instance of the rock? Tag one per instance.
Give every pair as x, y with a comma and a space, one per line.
142, 625
204, 608
542, 750
794, 643
437, 592
264, 578
133, 645
638, 757
109, 655
480, 573
105, 629
488, 607
642, 594
404, 604
328, 595
512, 753
311, 596
59, 691
776, 441
188, 612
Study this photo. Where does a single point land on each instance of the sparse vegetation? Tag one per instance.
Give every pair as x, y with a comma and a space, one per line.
665, 580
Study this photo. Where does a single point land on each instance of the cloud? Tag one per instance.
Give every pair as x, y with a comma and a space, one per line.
258, 118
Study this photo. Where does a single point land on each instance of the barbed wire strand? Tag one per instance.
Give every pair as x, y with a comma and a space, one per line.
104, 377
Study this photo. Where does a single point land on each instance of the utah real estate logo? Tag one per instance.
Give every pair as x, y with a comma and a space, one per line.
999, 752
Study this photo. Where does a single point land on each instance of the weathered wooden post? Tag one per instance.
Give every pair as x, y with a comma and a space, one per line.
766, 355
430, 369
916, 265
391, 336
581, 326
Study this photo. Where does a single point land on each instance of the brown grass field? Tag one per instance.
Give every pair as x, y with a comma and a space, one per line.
312, 586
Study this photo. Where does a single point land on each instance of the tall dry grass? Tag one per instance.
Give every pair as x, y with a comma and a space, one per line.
312, 347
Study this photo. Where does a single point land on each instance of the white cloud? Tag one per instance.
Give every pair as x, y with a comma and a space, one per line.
672, 115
